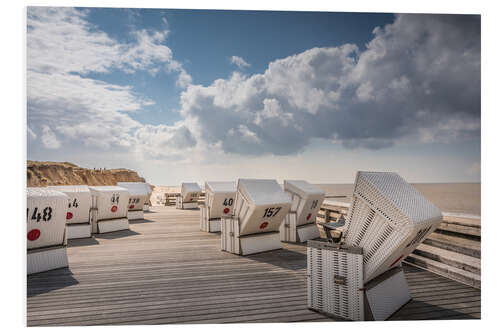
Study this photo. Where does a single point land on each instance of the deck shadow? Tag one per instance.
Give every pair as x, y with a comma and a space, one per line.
140, 221
82, 242
44, 282
420, 310
116, 234
283, 258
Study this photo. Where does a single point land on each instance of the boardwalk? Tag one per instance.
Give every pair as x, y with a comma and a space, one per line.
164, 270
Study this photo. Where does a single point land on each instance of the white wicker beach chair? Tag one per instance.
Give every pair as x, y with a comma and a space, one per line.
139, 194
388, 218
78, 215
109, 208
219, 202
46, 226
188, 199
260, 207
299, 224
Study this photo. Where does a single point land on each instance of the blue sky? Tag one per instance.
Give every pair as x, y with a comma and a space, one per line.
183, 95
205, 41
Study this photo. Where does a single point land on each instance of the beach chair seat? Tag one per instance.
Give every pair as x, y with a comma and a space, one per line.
260, 207
78, 216
219, 202
109, 209
299, 224
139, 193
188, 198
46, 226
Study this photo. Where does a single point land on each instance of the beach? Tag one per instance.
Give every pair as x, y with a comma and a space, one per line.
459, 198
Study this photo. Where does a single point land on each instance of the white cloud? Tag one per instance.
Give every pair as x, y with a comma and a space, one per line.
184, 79
164, 142
62, 47
418, 78
240, 62
49, 139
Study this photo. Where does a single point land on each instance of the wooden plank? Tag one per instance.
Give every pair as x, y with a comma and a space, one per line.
165, 270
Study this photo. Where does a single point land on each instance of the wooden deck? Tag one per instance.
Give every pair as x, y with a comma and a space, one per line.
164, 270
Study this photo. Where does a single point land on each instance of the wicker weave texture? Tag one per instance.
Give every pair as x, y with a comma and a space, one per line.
46, 217
79, 203
46, 260
335, 282
388, 219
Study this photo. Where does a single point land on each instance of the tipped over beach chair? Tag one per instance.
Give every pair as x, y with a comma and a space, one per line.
78, 215
387, 220
46, 227
139, 194
219, 202
260, 207
109, 209
188, 199
299, 224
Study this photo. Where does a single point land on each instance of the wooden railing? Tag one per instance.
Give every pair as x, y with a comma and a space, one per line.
169, 198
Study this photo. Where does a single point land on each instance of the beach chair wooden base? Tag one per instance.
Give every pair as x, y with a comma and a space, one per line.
78, 230
112, 225
135, 215
386, 294
335, 284
206, 224
232, 242
46, 259
290, 232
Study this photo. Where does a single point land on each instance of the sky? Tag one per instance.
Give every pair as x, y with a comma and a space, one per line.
195, 95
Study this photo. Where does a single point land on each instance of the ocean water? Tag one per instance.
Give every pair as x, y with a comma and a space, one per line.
464, 198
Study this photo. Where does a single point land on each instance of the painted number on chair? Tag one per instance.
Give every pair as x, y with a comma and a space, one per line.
271, 211
115, 198
314, 204
228, 202
41, 214
132, 202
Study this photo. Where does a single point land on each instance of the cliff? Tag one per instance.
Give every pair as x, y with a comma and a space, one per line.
64, 173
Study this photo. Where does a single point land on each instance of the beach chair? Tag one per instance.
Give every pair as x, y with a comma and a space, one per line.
219, 202
387, 220
299, 224
78, 216
188, 199
46, 226
260, 207
139, 194
109, 209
